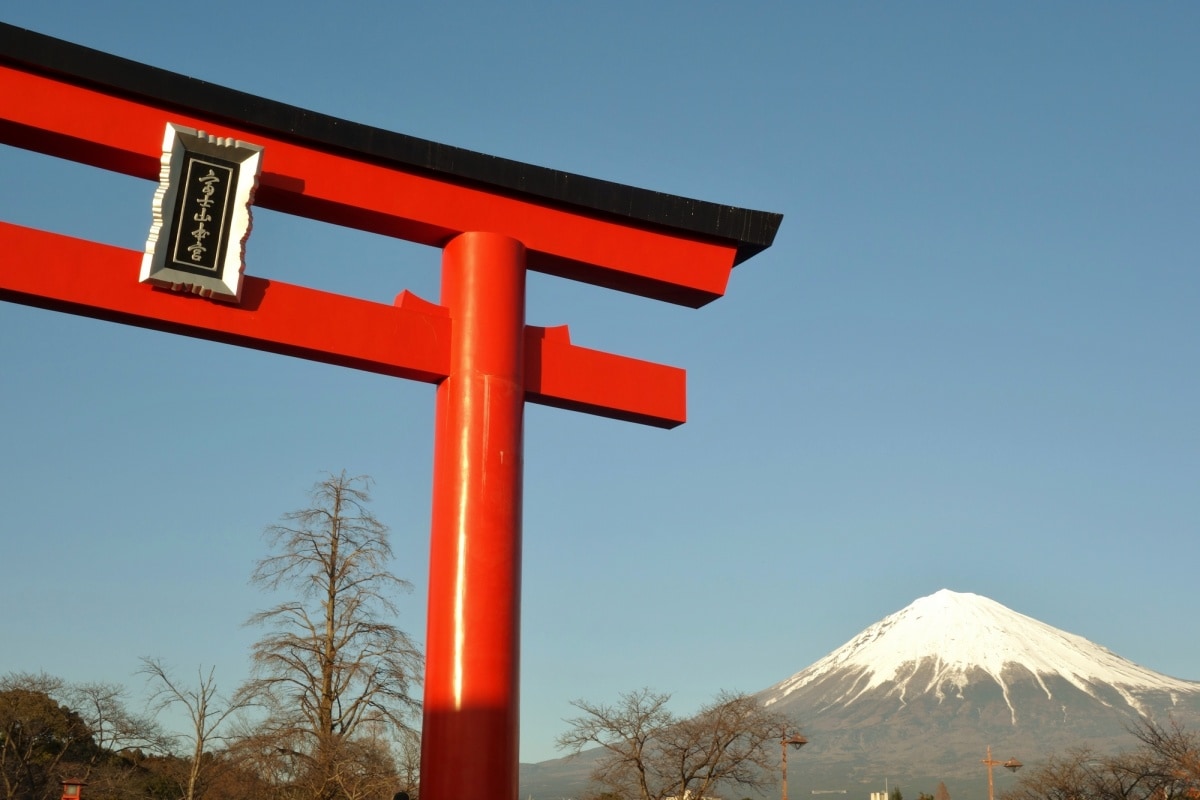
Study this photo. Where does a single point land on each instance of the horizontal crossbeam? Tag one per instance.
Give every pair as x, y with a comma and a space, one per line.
124, 134
410, 339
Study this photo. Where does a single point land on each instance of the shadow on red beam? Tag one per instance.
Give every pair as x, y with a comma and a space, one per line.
410, 339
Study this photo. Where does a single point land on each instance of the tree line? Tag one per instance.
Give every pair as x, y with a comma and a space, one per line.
1163, 765
328, 713
731, 745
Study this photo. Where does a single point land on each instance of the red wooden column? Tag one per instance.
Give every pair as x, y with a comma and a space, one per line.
469, 748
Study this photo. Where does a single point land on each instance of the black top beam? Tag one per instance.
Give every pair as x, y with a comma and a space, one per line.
752, 231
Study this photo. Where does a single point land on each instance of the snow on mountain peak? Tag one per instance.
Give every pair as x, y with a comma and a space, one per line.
957, 632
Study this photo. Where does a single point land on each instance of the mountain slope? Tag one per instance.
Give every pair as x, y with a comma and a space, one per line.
948, 638
923, 692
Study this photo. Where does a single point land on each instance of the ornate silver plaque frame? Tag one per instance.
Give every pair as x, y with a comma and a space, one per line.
201, 214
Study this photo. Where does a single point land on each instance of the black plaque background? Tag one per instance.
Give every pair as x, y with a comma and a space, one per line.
213, 261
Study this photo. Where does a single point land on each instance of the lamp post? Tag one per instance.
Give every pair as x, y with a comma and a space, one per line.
1012, 765
795, 740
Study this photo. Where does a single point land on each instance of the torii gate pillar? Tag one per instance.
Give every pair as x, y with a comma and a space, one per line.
471, 663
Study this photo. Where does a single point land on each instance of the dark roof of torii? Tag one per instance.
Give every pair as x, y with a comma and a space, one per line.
752, 231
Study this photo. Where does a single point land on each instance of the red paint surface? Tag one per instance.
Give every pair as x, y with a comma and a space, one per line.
408, 340
124, 135
470, 734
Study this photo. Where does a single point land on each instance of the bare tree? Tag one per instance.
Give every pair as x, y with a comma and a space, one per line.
651, 754
408, 763
114, 728
726, 743
332, 673
628, 730
1173, 755
1166, 766
207, 711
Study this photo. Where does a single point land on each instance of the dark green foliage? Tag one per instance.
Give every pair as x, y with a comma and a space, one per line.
37, 737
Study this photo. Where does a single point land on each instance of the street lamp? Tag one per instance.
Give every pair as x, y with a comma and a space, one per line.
795, 740
1012, 765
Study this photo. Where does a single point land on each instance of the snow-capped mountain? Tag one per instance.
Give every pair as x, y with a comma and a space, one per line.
949, 638
927, 689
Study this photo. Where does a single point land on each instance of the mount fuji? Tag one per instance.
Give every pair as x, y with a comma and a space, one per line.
918, 697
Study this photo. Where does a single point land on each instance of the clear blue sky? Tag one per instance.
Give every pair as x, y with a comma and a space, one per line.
969, 361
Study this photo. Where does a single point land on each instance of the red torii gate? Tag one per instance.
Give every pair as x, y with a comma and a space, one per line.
493, 219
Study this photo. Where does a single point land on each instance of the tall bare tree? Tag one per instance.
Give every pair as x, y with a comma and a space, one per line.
333, 674
207, 711
651, 754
